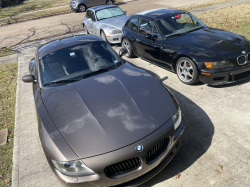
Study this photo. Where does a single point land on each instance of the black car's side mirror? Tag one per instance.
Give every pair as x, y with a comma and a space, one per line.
148, 36
28, 78
122, 52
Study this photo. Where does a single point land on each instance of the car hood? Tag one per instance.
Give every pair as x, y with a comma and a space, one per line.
106, 112
215, 40
117, 22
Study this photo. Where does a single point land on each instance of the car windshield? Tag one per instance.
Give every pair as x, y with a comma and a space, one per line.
109, 13
76, 62
179, 24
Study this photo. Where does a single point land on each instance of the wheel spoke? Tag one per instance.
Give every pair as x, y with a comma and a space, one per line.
191, 76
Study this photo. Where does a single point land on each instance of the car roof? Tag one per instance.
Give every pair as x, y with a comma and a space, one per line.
64, 43
95, 8
159, 13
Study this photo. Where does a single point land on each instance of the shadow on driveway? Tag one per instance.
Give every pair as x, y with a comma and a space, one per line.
196, 139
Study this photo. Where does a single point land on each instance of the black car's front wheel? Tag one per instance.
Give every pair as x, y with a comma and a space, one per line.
126, 44
186, 71
109, 2
82, 8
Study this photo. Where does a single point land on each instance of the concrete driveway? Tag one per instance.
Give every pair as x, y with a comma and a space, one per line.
217, 133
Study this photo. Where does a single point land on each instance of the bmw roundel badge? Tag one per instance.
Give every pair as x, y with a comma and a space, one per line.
243, 52
139, 148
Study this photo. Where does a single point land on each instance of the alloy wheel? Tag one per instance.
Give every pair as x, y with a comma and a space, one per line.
185, 71
109, 2
126, 45
82, 8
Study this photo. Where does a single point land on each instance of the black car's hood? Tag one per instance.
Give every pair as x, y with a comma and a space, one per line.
105, 112
215, 40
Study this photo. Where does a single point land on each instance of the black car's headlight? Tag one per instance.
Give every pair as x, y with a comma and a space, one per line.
115, 31
73, 168
177, 119
218, 65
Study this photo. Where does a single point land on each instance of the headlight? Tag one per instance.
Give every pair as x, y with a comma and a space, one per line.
177, 119
115, 31
73, 168
217, 65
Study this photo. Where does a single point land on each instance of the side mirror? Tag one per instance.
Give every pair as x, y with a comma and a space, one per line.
125, 12
89, 19
28, 78
148, 36
122, 52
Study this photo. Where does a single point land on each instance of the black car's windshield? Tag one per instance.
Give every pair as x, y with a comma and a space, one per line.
73, 63
179, 24
109, 13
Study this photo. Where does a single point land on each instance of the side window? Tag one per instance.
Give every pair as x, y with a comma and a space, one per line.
88, 14
93, 16
133, 24
156, 34
145, 27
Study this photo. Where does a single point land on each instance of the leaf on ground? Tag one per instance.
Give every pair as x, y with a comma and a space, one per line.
6, 181
216, 171
5, 125
177, 176
220, 167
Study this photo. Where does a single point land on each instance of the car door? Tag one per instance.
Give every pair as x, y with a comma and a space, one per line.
145, 47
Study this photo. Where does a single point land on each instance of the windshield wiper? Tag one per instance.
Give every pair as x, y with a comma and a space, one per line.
195, 29
99, 70
61, 81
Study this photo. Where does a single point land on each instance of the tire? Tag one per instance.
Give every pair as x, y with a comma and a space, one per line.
109, 2
103, 36
85, 29
82, 8
186, 71
126, 44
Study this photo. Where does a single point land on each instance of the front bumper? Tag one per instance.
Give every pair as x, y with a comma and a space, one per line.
226, 77
114, 38
139, 176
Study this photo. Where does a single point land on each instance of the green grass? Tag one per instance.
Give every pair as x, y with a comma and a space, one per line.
210, 3
8, 77
35, 15
234, 19
6, 51
31, 5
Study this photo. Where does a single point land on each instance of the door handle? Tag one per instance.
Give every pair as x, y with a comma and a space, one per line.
138, 40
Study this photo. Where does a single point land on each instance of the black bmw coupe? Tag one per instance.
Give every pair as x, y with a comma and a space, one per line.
185, 45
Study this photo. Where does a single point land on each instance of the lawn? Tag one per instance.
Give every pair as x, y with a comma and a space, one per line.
36, 14
196, 6
234, 19
31, 5
8, 77
6, 51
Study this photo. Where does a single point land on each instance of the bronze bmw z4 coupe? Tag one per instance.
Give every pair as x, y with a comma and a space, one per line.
102, 121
